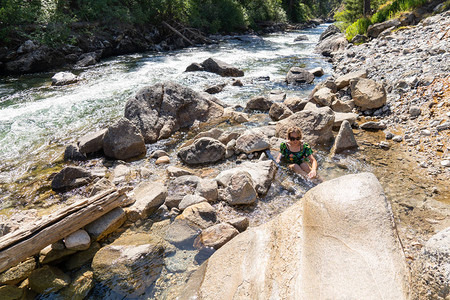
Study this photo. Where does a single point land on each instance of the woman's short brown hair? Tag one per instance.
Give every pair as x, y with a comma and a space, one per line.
294, 129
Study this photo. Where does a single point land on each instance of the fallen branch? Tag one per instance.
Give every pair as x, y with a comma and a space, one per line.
178, 33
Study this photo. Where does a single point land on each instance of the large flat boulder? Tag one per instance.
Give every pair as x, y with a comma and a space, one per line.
123, 140
160, 110
339, 242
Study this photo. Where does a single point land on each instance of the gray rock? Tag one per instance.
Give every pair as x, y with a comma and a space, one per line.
341, 106
367, 93
397, 138
316, 124
182, 233
317, 71
201, 214
374, 30
371, 125
279, 111
240, 189
414, 111
164, 108
177, 172
207, 188
189, 200
331, 30
215, 88
277, 96
334, 43
431, 277
295, 104
72, 152
216, 236
101, 185
324, 97
180, 187
92, 142
194, 67
203, 150
298, 75
219, 67
48, 279
106, 224
259, 103
345, 139
158, 153
344, 80
123, 140
301, 37
251, 141
241, 223
445, 163
149, 196
79, 240
81, 258
70, 178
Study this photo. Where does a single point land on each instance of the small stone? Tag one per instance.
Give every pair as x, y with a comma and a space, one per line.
425, 132
389, 135
397, 138
79, 240
158, 153
162, 160
445, 163
414, 111
384, 145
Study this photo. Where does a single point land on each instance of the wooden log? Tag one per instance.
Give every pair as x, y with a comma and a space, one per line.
178, 33
20, 244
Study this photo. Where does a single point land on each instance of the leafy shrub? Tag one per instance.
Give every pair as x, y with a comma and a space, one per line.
359, 27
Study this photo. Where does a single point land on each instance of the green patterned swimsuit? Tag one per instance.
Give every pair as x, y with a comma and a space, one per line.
296, 157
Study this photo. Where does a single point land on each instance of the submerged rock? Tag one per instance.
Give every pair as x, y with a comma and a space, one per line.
70, 178
298, 75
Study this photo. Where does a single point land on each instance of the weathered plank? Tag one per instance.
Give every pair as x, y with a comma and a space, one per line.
18, 245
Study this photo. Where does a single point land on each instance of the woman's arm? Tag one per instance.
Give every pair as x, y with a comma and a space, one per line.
313, 172
278, 159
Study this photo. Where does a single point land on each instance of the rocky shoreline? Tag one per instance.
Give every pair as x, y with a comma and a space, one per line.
176, 207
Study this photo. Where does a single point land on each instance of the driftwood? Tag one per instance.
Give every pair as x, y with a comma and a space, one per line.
178, 33
20, 244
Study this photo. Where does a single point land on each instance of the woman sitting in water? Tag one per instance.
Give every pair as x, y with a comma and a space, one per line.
298, 154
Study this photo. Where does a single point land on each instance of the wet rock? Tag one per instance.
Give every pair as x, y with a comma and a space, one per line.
37, 60
214, 65
106, 224
317, 71
70, 178
259, 103
345, 139
203, 150
194, 67
207, 188
81, 285
367, 93
251, 141
216, 236
64, 78
158, 153
298, 75
81, 258
72, 152
92, 142
316, 124
279, 111
431, 279
324, 97
277, 96
52, 255
371, 125
10, 292
88, 59
189, 200
149, 196
215, 88
301, 37
123, 140
182, 233
79, 240
262, 174
344, 80
239, 190
177, 172
101, 185
226, 137
138, 261
164, 108
237, 82
18, 273
241, 223
180, 261
48, 279
120, 173
201, 214
180, 187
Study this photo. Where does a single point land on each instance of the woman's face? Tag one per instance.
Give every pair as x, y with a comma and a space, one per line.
294, 137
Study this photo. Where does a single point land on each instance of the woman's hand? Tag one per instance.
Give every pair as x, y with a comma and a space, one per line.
312, 174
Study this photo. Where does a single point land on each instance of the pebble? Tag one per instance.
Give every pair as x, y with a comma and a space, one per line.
397, 138
445, 163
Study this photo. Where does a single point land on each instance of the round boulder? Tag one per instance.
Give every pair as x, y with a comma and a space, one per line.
203, 150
